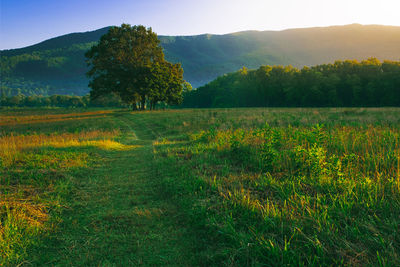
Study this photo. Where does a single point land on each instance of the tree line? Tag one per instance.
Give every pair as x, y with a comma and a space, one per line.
65, 101
343, 83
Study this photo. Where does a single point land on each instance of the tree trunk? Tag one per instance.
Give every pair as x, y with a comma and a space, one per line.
134, 106
143, 107
152, 105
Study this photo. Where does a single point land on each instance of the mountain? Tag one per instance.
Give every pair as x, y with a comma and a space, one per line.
57, 65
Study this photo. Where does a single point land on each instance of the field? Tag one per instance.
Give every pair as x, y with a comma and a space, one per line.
206, 187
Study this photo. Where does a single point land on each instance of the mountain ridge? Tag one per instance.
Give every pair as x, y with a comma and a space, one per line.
105, 29
58, 63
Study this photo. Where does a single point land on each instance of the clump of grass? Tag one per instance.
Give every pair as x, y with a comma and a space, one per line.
21, 222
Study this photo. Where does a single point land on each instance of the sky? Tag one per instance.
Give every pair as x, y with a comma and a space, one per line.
26, 22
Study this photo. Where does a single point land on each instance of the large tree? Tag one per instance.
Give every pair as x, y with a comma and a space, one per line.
129, 61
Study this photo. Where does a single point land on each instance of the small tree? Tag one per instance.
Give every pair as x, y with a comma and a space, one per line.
129, 61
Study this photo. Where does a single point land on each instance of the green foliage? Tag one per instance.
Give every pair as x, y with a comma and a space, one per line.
307, 195
65, 101
268, 155
344, 83
129, 61
60, 64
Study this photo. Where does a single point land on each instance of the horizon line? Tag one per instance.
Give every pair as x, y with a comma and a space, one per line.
217, 34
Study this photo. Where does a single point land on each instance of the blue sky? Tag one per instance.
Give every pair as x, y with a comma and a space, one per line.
26, 22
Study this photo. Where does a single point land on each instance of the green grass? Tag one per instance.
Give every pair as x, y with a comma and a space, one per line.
238, 187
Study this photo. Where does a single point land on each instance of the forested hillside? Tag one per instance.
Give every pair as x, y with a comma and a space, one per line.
57, 66
344, 83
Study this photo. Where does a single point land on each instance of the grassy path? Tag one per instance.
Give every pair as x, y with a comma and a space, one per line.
118, 215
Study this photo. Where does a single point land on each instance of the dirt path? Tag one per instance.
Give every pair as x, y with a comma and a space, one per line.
118, 216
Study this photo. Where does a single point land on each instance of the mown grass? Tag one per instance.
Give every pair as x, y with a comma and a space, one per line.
250, 187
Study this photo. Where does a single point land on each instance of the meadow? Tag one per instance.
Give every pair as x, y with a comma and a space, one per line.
209, 187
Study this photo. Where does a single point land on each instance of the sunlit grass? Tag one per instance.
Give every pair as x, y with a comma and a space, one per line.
21, 222
29, 119
310, 195
106, 145
33, 171
314, 187
14, 148
163, 142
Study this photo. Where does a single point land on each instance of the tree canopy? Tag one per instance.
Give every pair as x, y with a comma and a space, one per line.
129, 61
341, 84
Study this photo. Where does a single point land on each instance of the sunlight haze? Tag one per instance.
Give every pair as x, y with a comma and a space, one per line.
25, 23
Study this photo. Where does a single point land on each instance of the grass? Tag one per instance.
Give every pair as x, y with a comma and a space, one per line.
17, 120
312, 196
34, 170
237, 187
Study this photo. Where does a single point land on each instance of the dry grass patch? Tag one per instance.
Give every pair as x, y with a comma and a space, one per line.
18, 148
148, 213
15, 120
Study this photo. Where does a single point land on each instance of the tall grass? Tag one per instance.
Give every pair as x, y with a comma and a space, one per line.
313, 195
